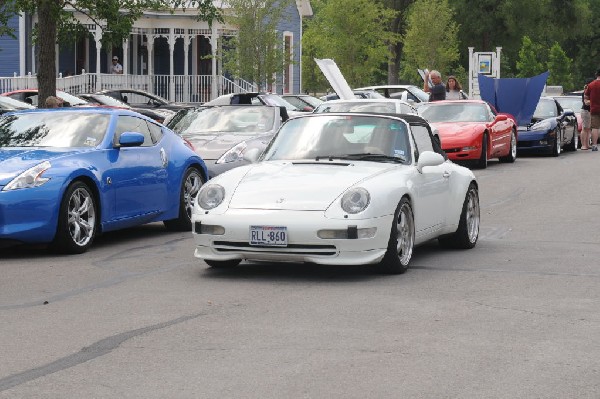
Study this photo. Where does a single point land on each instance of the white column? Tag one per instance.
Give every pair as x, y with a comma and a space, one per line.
33, 60
497, 63
471, 70
213, 52
150, 79
22, 45
125, 56
56, 57
171, 41
186, 77
97, 38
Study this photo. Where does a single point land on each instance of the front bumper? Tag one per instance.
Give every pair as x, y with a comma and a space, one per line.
535, 141
304, 245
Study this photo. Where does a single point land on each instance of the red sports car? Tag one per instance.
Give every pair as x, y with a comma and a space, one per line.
472, 130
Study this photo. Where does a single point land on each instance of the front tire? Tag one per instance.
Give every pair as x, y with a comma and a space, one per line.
192, 181
512, 153
556, 148
467, 233
77, 221
482, 163
401, 242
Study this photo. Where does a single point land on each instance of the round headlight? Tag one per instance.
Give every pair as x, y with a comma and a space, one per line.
211, 196
355, 200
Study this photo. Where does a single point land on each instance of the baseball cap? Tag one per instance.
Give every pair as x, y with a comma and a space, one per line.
115, 58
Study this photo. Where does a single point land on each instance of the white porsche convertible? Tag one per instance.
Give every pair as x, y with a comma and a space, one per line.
339, 189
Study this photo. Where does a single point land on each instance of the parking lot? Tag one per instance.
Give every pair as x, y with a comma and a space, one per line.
138, 317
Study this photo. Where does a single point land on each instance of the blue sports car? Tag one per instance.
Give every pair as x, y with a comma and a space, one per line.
68, 174
551, 130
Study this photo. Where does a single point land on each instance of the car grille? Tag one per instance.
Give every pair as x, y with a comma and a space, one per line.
292, 249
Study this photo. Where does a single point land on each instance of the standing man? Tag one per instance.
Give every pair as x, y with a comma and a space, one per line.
116, 67
437, 91
592, 93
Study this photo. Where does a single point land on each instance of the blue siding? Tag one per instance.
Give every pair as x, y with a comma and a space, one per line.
291, 23
9, 50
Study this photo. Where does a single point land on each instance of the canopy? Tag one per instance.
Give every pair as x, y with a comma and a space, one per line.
516, 96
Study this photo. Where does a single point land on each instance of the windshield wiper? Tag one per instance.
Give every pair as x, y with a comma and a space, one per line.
365, 156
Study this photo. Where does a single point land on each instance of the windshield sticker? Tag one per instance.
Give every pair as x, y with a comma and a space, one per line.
399, 152
90, 141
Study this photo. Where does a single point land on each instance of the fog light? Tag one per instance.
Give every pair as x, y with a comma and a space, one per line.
544, 142
343, 234
212, 229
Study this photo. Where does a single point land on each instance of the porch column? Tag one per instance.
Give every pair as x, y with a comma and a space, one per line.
22, 39
171, 41
125, 55
98, 40
186, 77
150, 64
57, 56
213, 51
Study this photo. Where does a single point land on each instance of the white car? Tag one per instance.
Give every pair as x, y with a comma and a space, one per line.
379, 105
408, 93
339, 189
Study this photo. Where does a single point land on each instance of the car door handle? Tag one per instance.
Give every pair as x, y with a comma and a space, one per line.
446, 174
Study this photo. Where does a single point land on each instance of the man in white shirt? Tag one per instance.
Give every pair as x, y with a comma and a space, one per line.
116, 67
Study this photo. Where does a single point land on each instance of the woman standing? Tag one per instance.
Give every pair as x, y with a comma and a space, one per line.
454, 89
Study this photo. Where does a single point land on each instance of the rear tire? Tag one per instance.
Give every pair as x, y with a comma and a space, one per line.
467, 233
401, 242
222, 264
192, 181
77, 220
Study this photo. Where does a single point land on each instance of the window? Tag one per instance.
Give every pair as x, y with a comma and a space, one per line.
425, 141
155, 131
133, 124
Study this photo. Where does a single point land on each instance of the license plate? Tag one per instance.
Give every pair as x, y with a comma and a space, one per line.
275, 236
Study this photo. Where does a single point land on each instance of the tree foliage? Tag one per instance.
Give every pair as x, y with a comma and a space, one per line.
528, 64
559, 66
354, 34
431, 39
256, 53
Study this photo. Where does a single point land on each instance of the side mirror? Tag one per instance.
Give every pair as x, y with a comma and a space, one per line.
429, 158
131, 139
501, 117
308, 109
252, 154
568, 112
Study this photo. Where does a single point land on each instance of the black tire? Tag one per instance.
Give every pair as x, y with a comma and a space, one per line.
222, 264
512, 154
482, 163
77, 220
192, 181
556, 148
401, 242
467, 233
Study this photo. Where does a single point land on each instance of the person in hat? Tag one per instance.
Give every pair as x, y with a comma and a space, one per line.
116, 67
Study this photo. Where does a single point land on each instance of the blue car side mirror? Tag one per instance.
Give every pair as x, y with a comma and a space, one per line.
131, 139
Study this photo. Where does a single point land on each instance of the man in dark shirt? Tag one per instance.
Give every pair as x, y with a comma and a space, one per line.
592, 93
437, 91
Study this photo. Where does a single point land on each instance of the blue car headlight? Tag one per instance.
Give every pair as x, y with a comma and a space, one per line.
32, 177
235, 153
542, 125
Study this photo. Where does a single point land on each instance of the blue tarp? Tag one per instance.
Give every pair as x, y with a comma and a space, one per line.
516, 96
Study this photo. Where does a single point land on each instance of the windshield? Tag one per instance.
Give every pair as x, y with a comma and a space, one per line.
277, 101
573, 103
386, 107
545, 109
10, 104
243, 119
52, 129
454, 112
341, 136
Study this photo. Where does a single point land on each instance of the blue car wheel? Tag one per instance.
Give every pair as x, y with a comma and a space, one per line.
192, 182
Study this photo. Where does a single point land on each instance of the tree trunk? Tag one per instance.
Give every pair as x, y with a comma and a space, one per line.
47, 50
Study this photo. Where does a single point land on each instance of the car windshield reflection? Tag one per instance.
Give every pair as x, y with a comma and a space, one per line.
454, 112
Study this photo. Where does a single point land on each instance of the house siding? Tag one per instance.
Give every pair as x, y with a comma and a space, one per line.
9, 50
291, 23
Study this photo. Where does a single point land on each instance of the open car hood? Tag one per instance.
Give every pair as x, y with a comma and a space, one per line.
335, 78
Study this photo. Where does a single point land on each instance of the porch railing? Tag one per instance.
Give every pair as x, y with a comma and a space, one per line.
178, 88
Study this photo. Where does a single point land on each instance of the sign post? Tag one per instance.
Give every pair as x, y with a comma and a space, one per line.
484, 62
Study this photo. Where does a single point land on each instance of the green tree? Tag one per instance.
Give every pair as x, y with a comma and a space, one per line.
7, 10
256, 53
57, 23
431, 39
528, 63
396, 48
559, 66
353, 33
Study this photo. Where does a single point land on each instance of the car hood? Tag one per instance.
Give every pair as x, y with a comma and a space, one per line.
456, 132
14, 161
212, 146
284, 184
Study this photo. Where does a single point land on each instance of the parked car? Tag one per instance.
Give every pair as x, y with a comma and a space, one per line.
472, 130
380, 105
91, 170
256, 98
30, 96
222, 134
303, 102
551, 130
339, 189
575, 103
408, 93
142, 99
359, 93
103, 99
8, 104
